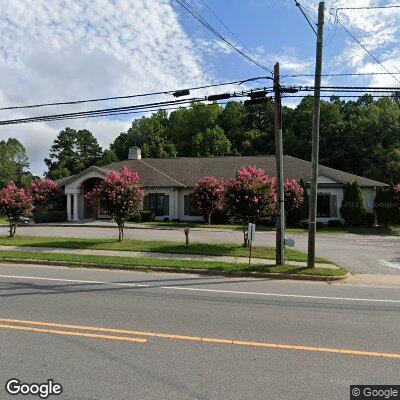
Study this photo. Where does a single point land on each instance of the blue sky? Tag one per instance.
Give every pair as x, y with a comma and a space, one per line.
75, 49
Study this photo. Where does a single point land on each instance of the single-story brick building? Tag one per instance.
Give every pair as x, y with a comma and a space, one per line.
169, 182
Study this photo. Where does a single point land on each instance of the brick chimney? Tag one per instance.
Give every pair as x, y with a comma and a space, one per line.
135, 153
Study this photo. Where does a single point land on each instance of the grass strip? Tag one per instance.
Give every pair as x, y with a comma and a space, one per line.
208, 249
147, 264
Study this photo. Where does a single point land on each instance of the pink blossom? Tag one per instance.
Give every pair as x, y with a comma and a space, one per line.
119, 194
209, 195
44, 192
14, 204
294, 195
250, 196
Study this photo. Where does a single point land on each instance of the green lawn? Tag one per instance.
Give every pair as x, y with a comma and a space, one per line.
3, 221
216, 249
146, 264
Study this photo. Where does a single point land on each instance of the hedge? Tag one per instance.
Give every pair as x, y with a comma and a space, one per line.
50, 216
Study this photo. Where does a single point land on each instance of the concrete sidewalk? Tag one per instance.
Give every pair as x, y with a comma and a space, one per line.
145, 254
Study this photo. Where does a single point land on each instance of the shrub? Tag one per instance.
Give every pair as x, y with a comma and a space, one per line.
369, 219
135, 217
386, 206
50, 216
220, 217
304, 224
335, 223
352, 208
147, 215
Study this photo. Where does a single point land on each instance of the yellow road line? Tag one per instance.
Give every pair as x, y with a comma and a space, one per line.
67, 333
191, 338
81, 327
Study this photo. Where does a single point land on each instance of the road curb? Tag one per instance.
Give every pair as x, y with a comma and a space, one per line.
233, 274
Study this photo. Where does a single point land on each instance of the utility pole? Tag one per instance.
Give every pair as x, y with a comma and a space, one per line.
280, 220
315, 140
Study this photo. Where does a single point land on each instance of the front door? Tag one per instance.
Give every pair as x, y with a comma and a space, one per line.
91, 211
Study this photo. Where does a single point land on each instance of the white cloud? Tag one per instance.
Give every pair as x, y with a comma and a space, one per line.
377, 30
72, 49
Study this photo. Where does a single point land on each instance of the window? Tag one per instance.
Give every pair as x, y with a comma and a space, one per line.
326, 205
190, 206
158, 203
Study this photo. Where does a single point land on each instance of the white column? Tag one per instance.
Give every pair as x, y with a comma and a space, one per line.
176, 203
69, 207
76, 208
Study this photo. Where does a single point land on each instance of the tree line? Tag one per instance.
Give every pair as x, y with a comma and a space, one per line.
359, 136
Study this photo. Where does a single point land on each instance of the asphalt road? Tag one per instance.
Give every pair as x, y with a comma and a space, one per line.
337, 316
377, 254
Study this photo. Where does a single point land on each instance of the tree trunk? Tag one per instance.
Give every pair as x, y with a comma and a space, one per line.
120, 232
13, 229
209, 218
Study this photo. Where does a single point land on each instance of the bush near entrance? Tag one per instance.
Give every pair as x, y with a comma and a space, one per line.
352, 208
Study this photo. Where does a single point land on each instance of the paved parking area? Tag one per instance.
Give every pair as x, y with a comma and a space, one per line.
373, 254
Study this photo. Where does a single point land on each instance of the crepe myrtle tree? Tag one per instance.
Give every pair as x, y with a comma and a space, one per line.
44, 192
209, 195
294, 195
119, 195
294, 200
250, 197
15, 203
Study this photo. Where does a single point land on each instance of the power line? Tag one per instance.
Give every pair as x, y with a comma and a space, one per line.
364, 88
111, 111
98, 112
368, 7
150, 110
195, 14
169, 105
340, 96
239, 82
306, 16
224, 25
364, 48
343, 74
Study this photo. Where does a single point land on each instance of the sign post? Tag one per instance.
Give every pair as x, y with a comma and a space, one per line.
251, 236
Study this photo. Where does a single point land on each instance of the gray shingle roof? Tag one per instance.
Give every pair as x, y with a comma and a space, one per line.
186, 171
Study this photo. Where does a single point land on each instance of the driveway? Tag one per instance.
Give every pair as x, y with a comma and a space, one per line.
376, 254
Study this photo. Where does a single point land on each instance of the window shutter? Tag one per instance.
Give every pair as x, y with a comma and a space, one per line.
146, 202
333, 204
166, 204
187, 204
